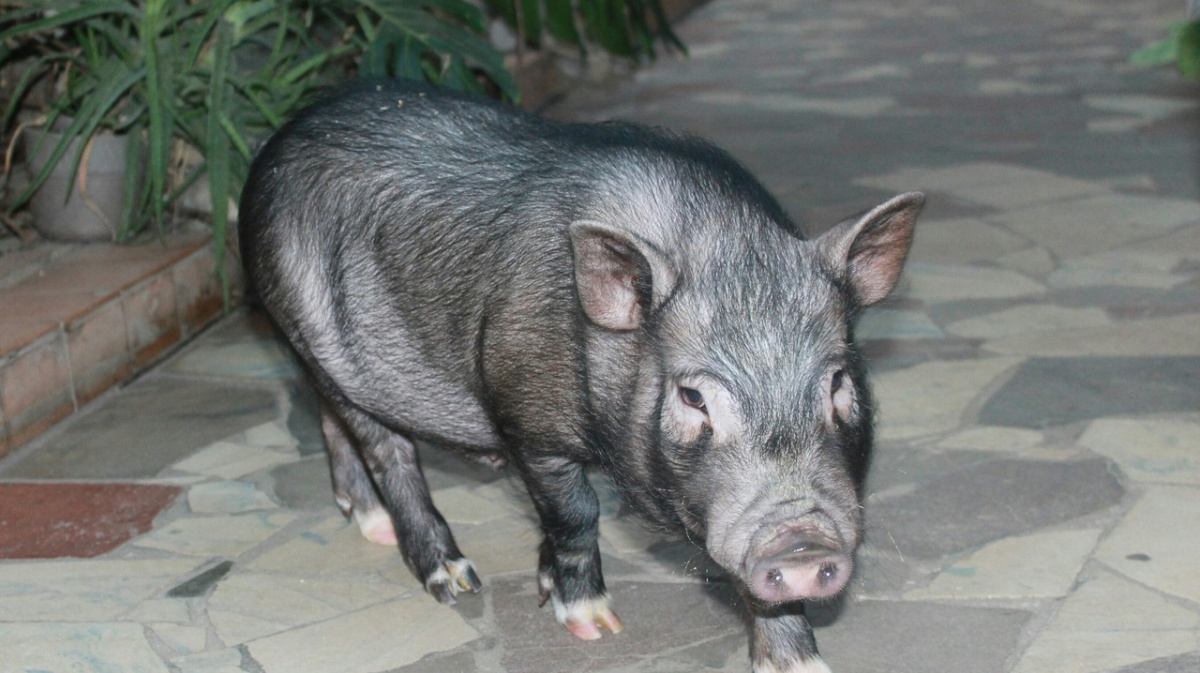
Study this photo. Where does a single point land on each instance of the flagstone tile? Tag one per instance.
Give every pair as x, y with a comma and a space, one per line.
460, 504
245, 346
91, 590
932, 397
1026, 319
377, 638
227, 497
934, 283
1148, 450
78, 647
173, 418
210, 536
1045, 392
200, 584
993, 438
953, 178
1183, 663
1109, 622
989, 501
882, 323
181, 639
921, 637
270, 435
1028, 187
1097, 223
171, 610
1120, 269
211, 661
332, 547
1041, 565
1156, 337
962, 241
1035, 262
229, 460
51, 520
252, 605
1184, 241
1158, 542
659, 619
506, 544
304, 484
1142, 106
859, 108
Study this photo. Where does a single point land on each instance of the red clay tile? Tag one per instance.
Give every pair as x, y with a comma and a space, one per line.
35, 383
151, 318
25, 318
197, 290
97, 346
53, 520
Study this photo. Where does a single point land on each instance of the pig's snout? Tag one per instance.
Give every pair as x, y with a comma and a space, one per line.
796, 562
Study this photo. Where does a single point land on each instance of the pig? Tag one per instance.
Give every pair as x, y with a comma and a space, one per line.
555, 296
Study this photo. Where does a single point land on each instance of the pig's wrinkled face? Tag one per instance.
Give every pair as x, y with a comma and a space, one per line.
765, 423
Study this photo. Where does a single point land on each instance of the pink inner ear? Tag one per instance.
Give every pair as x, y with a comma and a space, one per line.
605, 275
880, 246
876, 273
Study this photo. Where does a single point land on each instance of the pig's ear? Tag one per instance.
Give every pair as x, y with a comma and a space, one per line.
872, 248
619, 276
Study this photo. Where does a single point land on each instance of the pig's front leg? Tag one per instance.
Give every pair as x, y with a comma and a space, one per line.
569, 563
781, 641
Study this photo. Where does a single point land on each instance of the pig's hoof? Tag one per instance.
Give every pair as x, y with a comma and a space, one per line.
454, 576
813, 664
582, 618
376, 525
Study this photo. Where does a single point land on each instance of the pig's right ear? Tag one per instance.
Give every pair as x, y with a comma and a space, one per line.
620, 278
872, 248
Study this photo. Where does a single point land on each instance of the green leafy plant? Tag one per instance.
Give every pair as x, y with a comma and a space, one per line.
627, 28
1181, 47
217, 76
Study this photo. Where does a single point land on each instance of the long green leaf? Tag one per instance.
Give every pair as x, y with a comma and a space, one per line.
65, 13
560, 20
157, 102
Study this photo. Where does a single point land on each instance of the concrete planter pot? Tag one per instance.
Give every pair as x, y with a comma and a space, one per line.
92, 209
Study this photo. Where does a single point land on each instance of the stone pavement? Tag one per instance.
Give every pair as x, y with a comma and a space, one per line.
1035, 502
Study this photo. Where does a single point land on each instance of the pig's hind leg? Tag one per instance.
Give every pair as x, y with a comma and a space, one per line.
353, 489
385, 468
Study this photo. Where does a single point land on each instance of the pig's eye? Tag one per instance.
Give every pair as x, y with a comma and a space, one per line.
692, 398
835, 381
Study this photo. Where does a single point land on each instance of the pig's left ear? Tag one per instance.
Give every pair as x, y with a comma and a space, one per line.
620, 278
872, 248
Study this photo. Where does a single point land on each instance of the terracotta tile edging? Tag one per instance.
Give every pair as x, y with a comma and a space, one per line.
73, 355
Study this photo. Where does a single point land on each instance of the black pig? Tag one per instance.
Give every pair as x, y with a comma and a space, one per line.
562, 295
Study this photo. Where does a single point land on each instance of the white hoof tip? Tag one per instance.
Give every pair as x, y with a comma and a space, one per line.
812, 664
585, 618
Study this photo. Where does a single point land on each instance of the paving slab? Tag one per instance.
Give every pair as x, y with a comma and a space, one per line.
175, 417
1045, 392
990, 501
1110, 622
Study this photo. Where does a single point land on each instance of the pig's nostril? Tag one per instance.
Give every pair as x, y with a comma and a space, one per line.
774, 577
827, 573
